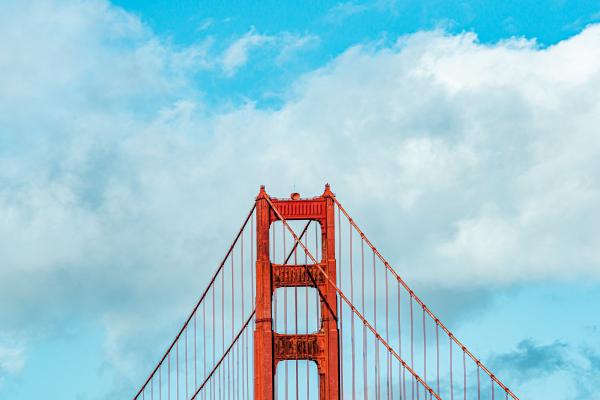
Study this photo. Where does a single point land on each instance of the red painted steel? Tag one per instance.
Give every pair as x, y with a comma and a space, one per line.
271, 347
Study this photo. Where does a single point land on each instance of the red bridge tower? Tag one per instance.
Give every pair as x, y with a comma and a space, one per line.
271, 347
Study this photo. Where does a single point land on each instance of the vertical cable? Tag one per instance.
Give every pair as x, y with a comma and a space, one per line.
204, 340
229, 372
377, 392
306, 319
177, 369
437, 352
404, 382
169, 376
214, 337
285, 316
340, 309
186, 363
252, 258
464, 374
275, 296
195, 352
296, 318
387, 334
399, 339
412, 348
247, 396
364, 348
318, 259
451, 387
478, 383
243, 313
221, 378
424, 349
352, 317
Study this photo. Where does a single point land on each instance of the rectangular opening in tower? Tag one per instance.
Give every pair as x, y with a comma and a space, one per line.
284, 248
296, 310
297, 379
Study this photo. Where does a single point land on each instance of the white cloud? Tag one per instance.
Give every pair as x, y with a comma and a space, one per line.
236, 55
287, 44
467, 164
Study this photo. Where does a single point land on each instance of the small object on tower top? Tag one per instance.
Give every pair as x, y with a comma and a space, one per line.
295, 196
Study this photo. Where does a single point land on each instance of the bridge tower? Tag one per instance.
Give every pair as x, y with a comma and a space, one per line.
271, 347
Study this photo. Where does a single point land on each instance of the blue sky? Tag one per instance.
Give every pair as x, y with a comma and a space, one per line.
134, 135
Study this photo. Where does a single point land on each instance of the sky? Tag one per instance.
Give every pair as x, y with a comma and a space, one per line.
134, 135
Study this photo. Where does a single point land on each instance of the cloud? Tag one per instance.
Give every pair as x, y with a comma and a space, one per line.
531, 360
236, 55
555, 370
468, 165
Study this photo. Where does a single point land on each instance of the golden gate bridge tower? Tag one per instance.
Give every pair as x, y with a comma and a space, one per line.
321, 347
304, 306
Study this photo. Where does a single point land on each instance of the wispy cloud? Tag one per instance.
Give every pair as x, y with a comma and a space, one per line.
564, 371
284, 45
531, 360
236, 55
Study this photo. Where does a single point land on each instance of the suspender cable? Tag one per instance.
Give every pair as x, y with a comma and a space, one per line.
377, 389
296, 322
186, 364
352, 319
451, 388
221, 384
232, 321
306, 316
243, 354
177, 370
195, 354
424, 349
464, 375
203, 340
400, 341
478, 384
214, 340
285, 315
364, 347
437, 355
340, 310
319, 295
387, 336
412, 348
